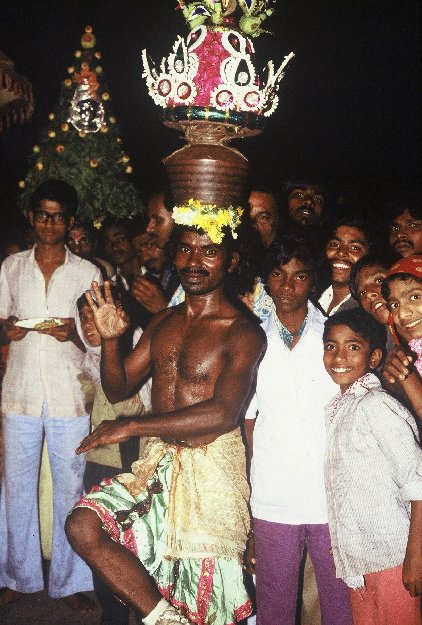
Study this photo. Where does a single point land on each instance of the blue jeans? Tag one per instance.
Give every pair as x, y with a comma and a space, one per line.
20, 548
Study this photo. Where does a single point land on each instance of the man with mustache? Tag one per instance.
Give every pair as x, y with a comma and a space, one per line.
305, 202
405, 226
174, 530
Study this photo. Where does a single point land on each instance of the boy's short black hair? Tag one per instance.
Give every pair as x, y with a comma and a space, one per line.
55, 191
284, 248
385, 286
370, 260
363, 324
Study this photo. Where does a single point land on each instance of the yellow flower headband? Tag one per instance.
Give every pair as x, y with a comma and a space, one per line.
209, 218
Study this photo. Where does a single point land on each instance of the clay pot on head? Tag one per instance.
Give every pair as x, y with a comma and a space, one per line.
212, 174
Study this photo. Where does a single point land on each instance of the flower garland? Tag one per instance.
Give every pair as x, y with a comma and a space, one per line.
209, 218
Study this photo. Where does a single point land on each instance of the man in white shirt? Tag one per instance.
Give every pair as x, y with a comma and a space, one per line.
42, 397
288, 442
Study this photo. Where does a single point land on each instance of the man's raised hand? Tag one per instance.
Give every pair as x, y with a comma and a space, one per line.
110, 319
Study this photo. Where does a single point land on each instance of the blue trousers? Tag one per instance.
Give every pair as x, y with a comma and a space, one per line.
20, 545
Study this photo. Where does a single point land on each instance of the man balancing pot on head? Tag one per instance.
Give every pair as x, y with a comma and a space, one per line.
168, 539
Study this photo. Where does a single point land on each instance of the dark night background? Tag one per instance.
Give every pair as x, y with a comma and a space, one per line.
349, 108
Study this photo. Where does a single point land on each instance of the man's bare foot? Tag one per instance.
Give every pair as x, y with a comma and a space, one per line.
80, 603
9, 596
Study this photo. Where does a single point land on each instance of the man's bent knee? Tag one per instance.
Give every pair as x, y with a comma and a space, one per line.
83, 529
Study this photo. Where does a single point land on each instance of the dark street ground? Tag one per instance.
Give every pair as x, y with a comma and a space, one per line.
40, 609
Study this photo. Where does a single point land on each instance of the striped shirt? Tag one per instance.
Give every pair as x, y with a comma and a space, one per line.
373, 470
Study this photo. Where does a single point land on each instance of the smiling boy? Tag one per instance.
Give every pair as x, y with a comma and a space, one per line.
373, 477
402, 289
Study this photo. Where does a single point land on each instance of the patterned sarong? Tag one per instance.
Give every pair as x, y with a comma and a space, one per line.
184, 513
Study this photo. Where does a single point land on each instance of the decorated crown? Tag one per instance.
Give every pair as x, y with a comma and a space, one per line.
208, 87
210, 75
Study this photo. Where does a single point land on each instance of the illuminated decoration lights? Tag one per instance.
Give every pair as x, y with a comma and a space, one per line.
86, 111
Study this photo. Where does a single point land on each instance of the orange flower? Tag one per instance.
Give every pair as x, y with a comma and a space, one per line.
60, 148
94, 162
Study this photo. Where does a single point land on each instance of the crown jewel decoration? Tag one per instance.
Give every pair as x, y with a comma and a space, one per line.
210, 89
211, 75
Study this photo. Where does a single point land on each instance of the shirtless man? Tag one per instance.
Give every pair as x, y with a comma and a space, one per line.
183, 511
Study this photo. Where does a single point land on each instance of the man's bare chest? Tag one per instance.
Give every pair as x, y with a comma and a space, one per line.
193, 354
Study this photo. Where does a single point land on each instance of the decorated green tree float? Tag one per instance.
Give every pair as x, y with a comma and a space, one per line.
81, 144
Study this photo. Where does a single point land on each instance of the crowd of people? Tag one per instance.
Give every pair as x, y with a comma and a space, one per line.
221, 406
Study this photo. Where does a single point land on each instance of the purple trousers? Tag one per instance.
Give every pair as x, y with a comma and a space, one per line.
279, 550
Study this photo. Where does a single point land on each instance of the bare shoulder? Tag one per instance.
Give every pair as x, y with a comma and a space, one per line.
160, 319
247, 335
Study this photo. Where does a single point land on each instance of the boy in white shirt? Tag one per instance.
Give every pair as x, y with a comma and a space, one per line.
288, 442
